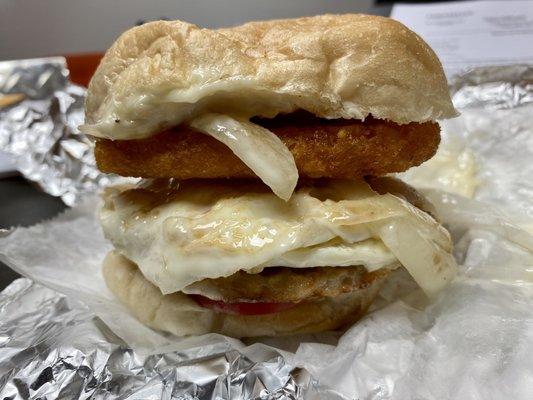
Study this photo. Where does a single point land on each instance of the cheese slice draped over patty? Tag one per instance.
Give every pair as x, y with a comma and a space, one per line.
182, 233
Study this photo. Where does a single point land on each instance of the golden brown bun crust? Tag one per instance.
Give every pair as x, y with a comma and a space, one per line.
178, 314
334, 66
333, 149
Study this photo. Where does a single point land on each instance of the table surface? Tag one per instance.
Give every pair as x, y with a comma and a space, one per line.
22, 203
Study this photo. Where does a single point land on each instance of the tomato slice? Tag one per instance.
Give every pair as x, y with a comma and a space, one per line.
241, 308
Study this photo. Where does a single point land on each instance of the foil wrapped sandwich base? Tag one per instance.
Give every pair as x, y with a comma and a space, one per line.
71, 339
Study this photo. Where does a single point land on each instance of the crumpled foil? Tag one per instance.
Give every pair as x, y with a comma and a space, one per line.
63, 335
40, 128
53, 348
496, 87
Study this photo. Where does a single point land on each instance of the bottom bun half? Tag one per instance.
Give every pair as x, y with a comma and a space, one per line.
177, 313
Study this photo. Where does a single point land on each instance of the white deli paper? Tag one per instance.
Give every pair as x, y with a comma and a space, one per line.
475, 341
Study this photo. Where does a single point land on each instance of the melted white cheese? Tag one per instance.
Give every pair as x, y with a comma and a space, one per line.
180, 236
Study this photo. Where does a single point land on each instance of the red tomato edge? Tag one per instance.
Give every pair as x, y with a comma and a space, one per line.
241, 308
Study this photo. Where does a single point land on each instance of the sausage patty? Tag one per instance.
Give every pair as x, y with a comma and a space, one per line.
283, 284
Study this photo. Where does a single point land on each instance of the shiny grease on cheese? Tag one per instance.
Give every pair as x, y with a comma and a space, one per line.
181, 234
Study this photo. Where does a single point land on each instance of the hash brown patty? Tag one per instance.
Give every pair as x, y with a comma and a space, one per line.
321, 148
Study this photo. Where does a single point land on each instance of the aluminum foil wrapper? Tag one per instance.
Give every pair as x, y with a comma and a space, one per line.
63, 335
497, 87
53, 347
39, 118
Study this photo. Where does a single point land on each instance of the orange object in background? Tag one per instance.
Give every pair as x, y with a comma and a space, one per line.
82, 67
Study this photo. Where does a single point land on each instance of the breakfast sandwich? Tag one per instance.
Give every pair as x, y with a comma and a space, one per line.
265, 206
